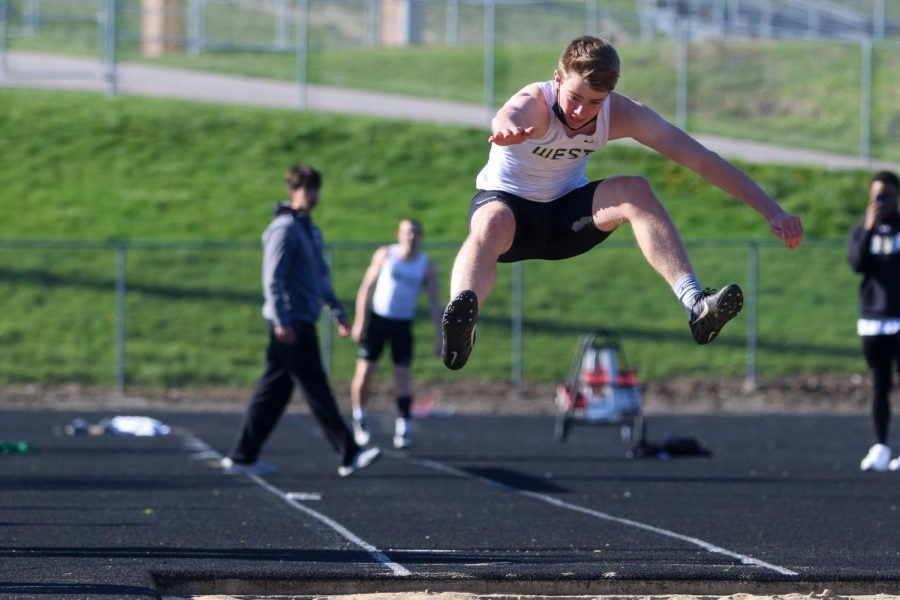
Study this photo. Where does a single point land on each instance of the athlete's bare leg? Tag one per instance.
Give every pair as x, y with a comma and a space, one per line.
359, 394
474, 274
631, 199
362, 379
475, 267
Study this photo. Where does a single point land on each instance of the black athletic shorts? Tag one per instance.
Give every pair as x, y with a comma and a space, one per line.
554, 230
381, 329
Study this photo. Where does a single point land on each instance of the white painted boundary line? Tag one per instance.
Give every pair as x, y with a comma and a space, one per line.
202, 451
374, 552
747, 560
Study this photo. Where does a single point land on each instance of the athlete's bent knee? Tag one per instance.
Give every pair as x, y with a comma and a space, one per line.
639, 197
494, 224
623, 198
638, 188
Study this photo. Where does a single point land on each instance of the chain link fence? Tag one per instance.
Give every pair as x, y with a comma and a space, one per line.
821, 76
141, 316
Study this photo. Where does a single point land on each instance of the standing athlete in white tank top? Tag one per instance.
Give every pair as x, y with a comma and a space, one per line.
534, 202
393, 281
399, 282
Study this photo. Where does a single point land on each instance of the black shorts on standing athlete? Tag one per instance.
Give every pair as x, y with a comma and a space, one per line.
381, 329
554, 230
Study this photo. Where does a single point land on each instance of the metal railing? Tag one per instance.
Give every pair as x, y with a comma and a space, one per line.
806, 75
168, 315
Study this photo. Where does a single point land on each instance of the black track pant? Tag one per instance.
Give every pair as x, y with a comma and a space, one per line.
882, 352
287, 365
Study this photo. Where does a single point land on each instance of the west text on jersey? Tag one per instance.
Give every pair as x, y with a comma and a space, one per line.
560, 153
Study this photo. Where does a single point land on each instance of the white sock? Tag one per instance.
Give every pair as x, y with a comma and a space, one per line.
688, 289
359, 413
401, 426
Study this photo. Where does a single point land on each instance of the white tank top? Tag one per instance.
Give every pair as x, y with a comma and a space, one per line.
398, 285
547, 168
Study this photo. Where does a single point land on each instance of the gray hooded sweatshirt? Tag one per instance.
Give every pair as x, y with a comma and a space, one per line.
296, 279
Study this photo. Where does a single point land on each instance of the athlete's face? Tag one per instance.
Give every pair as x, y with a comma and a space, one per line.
578, 101
408, 234
884, 196
305, 198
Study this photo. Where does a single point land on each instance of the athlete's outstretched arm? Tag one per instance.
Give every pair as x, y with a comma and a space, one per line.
519, 118
634, 120
364, 293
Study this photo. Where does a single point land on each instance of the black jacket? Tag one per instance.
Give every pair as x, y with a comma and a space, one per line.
876, 254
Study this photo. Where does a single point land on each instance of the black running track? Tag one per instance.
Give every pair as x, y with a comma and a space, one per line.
485, 504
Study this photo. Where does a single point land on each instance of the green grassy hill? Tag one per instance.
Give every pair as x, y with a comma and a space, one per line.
81, 167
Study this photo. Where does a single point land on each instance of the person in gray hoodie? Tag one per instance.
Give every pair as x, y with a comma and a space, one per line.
296, 284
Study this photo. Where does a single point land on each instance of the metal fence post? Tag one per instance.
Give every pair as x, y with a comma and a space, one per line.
121, 256
282, 23
110, 16
682, 73
302, 50
646, 24
767, 19
33, 17
718, 11
490, 36
373, 28
878, 18
865, 100
592, 16
195, 27
452, 22
4, 34
193, 35
327, 345
517, 279
752, 304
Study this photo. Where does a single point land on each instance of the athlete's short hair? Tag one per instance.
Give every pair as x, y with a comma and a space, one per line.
593, 59
887, 178
417, 225
302, 176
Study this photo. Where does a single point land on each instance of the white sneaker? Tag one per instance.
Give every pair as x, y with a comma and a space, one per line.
878, 459
363, 459
259, 467
894, 465
361, 432
402, 438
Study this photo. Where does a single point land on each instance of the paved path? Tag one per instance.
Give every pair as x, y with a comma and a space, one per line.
26, 69
482, 504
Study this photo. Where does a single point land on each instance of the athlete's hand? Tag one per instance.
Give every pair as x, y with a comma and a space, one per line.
877, 211
787, 227
872, 215
509, 136
285, 335
343, 329
356, 332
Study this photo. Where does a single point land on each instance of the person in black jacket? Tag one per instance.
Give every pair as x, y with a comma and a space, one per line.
296, 284
875, 252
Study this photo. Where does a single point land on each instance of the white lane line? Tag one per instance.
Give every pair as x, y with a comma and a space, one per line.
374, 552
422, 550
304, 496
747, 560
203, 451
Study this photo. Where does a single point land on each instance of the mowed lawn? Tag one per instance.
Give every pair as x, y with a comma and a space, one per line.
189, 187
